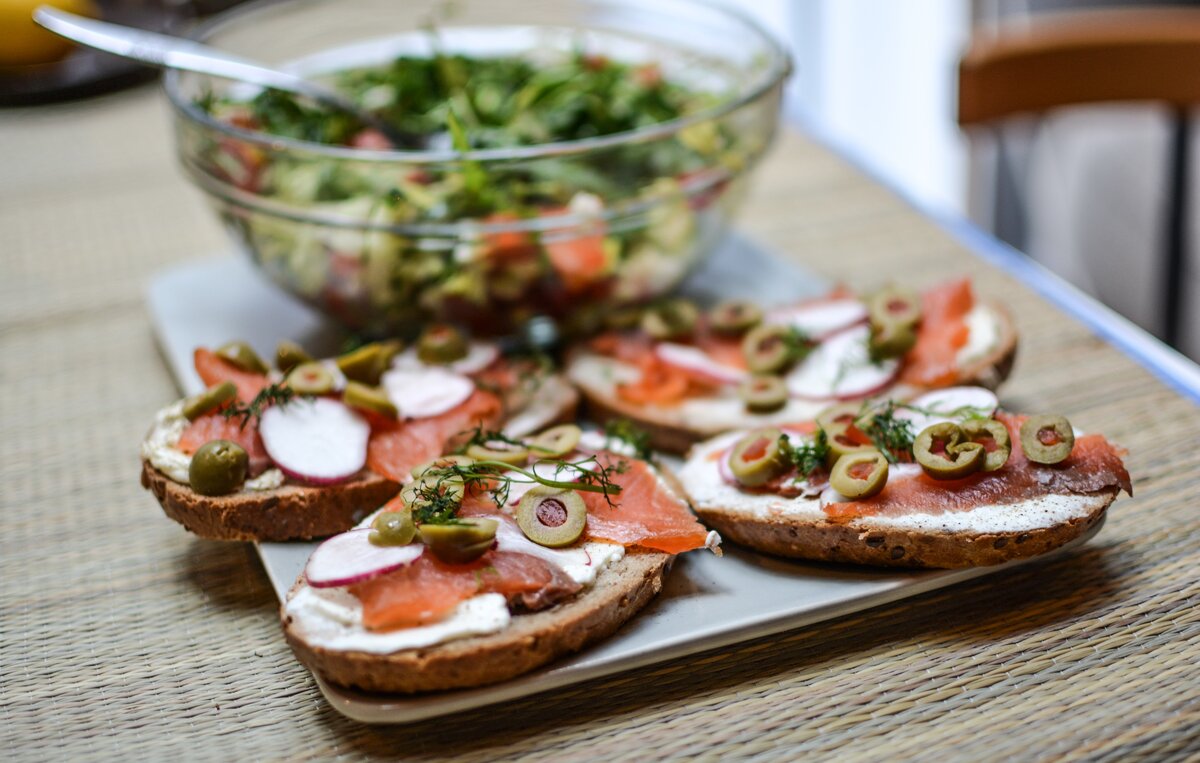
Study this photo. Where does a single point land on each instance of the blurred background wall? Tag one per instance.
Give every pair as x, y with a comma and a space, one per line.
1081, 189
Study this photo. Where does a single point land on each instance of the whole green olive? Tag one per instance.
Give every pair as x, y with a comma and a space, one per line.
462, 541
243, 356
218, 467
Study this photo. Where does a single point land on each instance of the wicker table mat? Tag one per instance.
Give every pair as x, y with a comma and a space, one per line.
121, 635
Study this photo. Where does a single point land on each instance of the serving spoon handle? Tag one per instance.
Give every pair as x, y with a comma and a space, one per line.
167, 52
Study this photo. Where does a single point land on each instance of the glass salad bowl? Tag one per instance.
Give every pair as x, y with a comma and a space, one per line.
566, 158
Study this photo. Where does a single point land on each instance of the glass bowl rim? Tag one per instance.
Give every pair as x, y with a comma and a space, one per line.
779, 70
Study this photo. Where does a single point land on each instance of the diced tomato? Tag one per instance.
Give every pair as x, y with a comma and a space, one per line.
580, 261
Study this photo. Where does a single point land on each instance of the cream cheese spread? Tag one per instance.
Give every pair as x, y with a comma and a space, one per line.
708, 490
332, 617
983, 334
160, 448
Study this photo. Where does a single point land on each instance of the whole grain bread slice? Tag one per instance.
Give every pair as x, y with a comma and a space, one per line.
300, 512
288, 512
529, 642
863, 541
673, 430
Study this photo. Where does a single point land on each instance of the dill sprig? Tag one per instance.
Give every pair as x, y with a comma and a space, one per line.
275, 394
893, 436
632, 435
808, 456
438, 496
487, 438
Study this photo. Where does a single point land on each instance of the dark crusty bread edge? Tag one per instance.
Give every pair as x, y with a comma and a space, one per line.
989, 371
529, 642
289, 512
862, 542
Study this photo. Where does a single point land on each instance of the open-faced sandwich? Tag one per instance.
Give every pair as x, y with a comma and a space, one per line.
308, 448
490, 564
944, 480
684, 376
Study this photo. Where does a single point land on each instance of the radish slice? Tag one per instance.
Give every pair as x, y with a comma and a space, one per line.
479, 356
697, 361
421, 393
318, 441
352, 558
842, 368
950, 404
819, 320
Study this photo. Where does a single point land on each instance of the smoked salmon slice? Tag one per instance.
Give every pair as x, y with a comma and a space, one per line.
394, 451
428, 590
643, 514
1093, 466
214, 426
942, 333
213, 369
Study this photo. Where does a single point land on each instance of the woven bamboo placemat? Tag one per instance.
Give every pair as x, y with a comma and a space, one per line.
122, 636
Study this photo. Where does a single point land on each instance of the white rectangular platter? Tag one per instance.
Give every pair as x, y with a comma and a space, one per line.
708, 602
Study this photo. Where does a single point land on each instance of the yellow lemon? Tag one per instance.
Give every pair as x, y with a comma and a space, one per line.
24, 42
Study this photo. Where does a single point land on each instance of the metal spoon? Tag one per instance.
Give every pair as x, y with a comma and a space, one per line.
169, 52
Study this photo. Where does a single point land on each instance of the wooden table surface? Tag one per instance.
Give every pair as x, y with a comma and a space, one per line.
121, 635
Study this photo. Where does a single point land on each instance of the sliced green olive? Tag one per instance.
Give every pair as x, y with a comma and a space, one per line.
441, 344
836, 422
442, 462
860, 475
367, 363
623, 318
310, 379
243, 356
891, 340
370, 399
1047, 439
941, 451
734, 317
841, 413
756, 459
394, 527
461, 542
993, 437
842, 442
218, 467
288, 355
555, 442
768, 349
209, 400
763, 393
499, 451
894, 306
672, 319
552, 517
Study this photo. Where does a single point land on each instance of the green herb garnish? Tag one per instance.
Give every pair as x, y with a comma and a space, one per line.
624, 430
892, 436
808, 456
436, 503
275, 394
